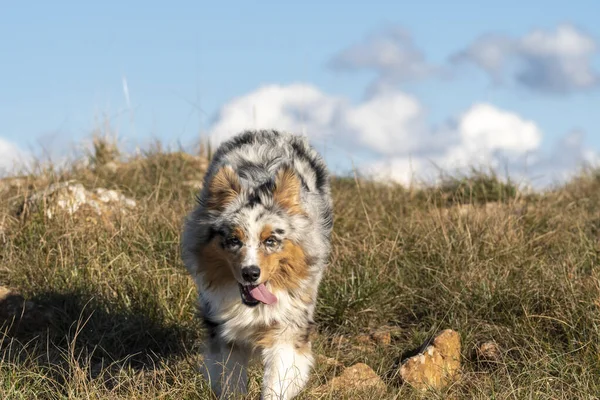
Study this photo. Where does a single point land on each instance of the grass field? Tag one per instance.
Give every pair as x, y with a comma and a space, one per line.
475, 255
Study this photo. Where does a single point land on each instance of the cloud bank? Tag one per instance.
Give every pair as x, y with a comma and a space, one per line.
390, 132
555, 61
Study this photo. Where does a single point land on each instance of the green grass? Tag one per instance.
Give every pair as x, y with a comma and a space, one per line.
472, 254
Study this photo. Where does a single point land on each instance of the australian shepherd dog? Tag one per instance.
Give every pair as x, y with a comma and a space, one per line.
257, 244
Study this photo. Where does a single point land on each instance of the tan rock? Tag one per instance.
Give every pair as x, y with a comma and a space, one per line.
435, 367
382, 337
357, 378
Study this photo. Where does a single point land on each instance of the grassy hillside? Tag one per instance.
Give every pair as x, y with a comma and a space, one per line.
111, 312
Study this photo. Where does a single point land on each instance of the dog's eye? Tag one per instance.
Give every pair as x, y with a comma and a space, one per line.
271, 242
232, 241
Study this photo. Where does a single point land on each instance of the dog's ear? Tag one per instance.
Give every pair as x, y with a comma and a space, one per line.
223, 189
287, 191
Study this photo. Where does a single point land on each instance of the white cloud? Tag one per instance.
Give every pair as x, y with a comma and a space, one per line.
484, 135
391, 129
391, 53
486, 128
558, 61
297, 107
11, 156
388, 124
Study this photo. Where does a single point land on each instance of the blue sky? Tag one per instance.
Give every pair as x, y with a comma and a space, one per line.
64, 64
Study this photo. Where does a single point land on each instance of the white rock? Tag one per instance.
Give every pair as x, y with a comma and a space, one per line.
69, 197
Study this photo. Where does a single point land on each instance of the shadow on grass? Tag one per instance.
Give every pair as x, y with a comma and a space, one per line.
53, 328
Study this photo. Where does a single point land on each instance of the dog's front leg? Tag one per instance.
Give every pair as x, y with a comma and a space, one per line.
287, 369
225, 367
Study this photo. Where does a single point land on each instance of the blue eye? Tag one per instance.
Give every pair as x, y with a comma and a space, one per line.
233, 241
271, 242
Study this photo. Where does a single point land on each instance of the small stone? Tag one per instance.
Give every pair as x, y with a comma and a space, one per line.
382, 337
435, 367
359, 377
488, 351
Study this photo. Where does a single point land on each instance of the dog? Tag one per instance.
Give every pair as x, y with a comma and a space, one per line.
256, 245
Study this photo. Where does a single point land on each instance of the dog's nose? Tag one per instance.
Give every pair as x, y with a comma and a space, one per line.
251, 273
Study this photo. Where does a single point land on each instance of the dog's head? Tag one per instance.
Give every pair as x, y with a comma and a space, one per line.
255, 233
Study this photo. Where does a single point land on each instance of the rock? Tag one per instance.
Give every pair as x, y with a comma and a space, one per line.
357, 378
436, 366
71, 198
382, 337
488, 351
21, 315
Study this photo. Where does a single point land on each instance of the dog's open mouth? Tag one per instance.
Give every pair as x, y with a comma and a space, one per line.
252, 295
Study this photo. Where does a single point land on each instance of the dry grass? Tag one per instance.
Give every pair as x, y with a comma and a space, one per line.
473, 255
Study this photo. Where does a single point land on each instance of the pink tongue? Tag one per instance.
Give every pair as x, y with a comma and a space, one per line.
262, 294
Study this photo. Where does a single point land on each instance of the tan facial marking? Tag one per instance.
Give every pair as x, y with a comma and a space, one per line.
284, 269
239, 233
266, 233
